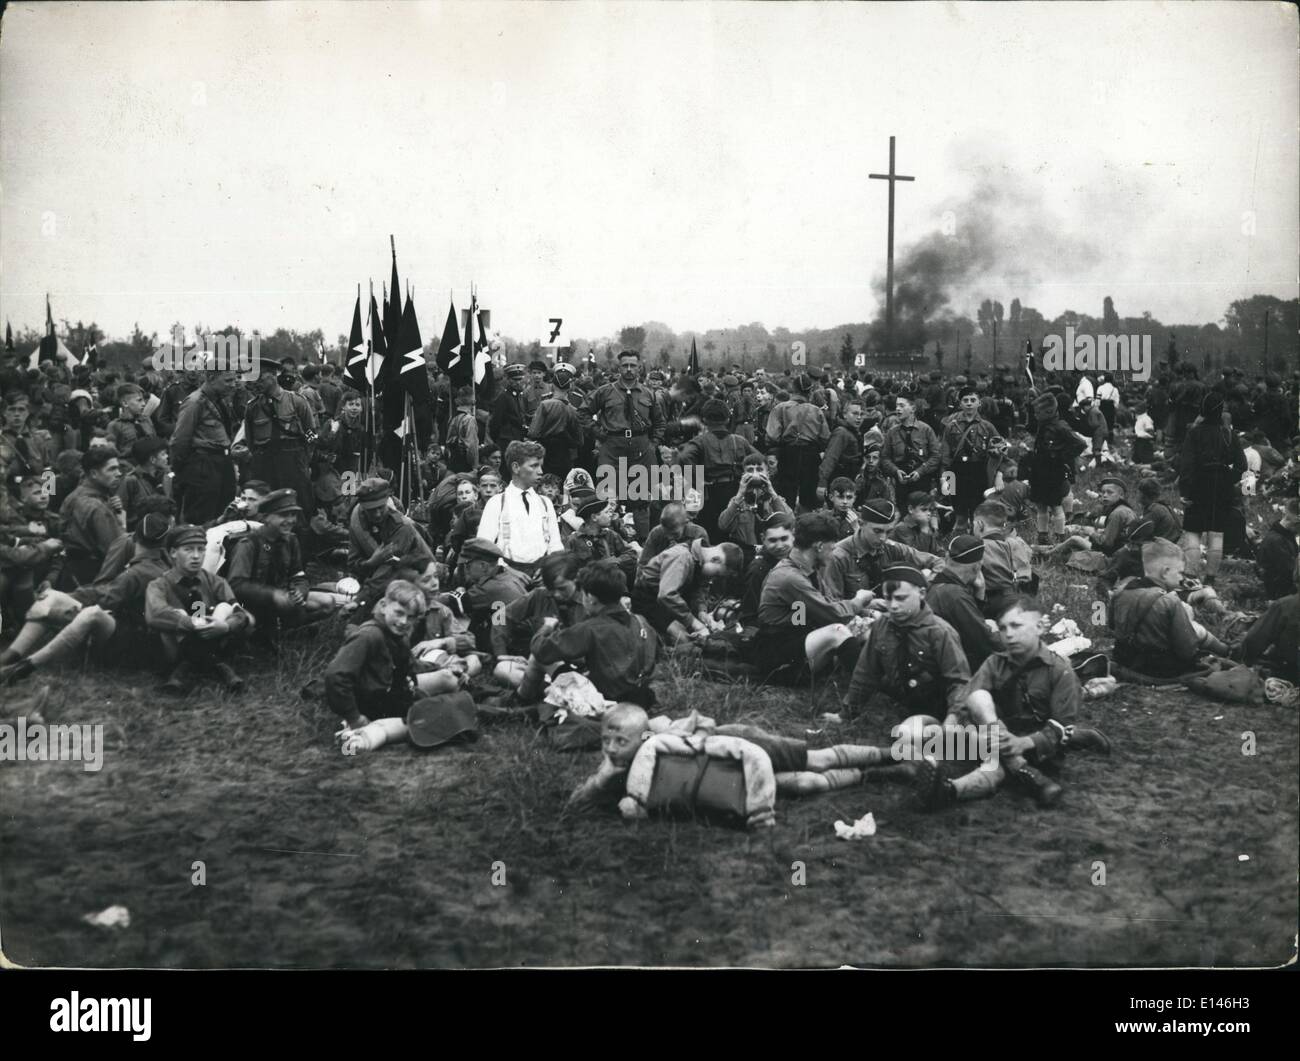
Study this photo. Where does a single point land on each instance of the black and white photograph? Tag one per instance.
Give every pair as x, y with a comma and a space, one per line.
704, 485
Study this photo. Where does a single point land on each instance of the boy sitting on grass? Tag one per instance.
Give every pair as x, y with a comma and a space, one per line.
1155, 633
799, 770
195, 612
1008, 562
1033, 696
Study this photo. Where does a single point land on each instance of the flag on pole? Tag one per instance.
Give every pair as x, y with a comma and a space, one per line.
393, 310
356, 354
693, 362
377, 352
407, 375
1029, 361
449, 357
9, 337
51, 347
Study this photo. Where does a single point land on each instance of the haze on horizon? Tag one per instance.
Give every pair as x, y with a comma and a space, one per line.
704, 165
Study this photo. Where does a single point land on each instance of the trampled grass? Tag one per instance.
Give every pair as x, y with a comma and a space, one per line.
389, 859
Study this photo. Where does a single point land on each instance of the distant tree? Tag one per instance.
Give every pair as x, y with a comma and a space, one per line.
847, 351
1109, 318
666, 356
631, 338
984, 315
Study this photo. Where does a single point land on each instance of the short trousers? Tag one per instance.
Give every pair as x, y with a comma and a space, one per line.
789, 755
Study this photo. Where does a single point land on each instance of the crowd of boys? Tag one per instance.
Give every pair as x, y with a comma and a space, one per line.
789, 528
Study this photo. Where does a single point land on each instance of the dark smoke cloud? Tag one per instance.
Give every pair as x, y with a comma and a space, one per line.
1004, 238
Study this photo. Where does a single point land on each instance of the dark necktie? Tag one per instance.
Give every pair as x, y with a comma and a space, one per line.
629, 411
524, 494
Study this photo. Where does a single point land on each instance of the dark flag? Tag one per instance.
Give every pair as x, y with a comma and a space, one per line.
450, 358
356, 356
693, 363
9, 337
1029, 361
408, 377
377, 354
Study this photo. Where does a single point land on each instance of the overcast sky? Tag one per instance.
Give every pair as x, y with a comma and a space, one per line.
703, 164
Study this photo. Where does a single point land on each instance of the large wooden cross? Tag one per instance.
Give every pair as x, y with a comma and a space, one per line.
891, 176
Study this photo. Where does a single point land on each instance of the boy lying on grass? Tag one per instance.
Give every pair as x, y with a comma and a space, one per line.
799, 770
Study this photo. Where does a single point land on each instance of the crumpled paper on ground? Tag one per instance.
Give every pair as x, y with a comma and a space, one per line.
1066, 628
113, 917
1096, 688
1068, 646
864, 826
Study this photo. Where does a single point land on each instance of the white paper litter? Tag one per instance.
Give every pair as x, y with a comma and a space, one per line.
1068, 646
831, 719
864, 826
1066, 628
1243, 858
113, 917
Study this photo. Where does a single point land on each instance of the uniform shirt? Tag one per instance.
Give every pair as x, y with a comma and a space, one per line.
261, 563
521, 620
88, 523
556, 418
124, 433
397, 533
1152, 626
1015, 496
659, 539
918, 659
1030, 694
502, 587
1276, 557
923, 539
125, 595
843, 456
910, 448
752, 589
19, 454
798, 421
604, 543
965, 444
853, 566
135, 487
721, 453
792, 595
204, 423
739, 521
371, 662
286, 416
1115, 528
170, 599
618, 649
522, 524
510, 418
1006, 561
675, 578
613, 414
954, 602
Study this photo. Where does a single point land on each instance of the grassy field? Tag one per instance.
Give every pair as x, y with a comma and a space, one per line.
388, 859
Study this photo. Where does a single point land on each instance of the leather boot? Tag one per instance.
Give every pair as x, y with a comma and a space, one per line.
1087, 738
1046, 792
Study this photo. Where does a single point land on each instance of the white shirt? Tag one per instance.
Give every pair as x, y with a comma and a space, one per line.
1084, 390
1144, 426
1108, 392
528, 533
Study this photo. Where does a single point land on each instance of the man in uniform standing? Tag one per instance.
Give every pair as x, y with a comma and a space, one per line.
204, 475
967, 439
280, 428
628, 423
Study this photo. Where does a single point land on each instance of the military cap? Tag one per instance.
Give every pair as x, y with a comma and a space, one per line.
515, 371
186, 534
480, 549
537, 365
153, 529
280, 501
144, 448
583, 499
436, 720
268, 364
965, 549
715, 412
1114, 480
879, 510
903, 573
374, 492
564, 366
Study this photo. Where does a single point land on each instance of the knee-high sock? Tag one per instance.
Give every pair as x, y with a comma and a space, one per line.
1213, 558
809, 781
29, 639
1058, 520
1040, 518
850, 755
89, 626
978, 784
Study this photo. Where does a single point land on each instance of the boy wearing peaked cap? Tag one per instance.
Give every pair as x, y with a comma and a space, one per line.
490, 585
196, 613
859, 561
913, 656
383, 540
267, 571
594, 539
954, 597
